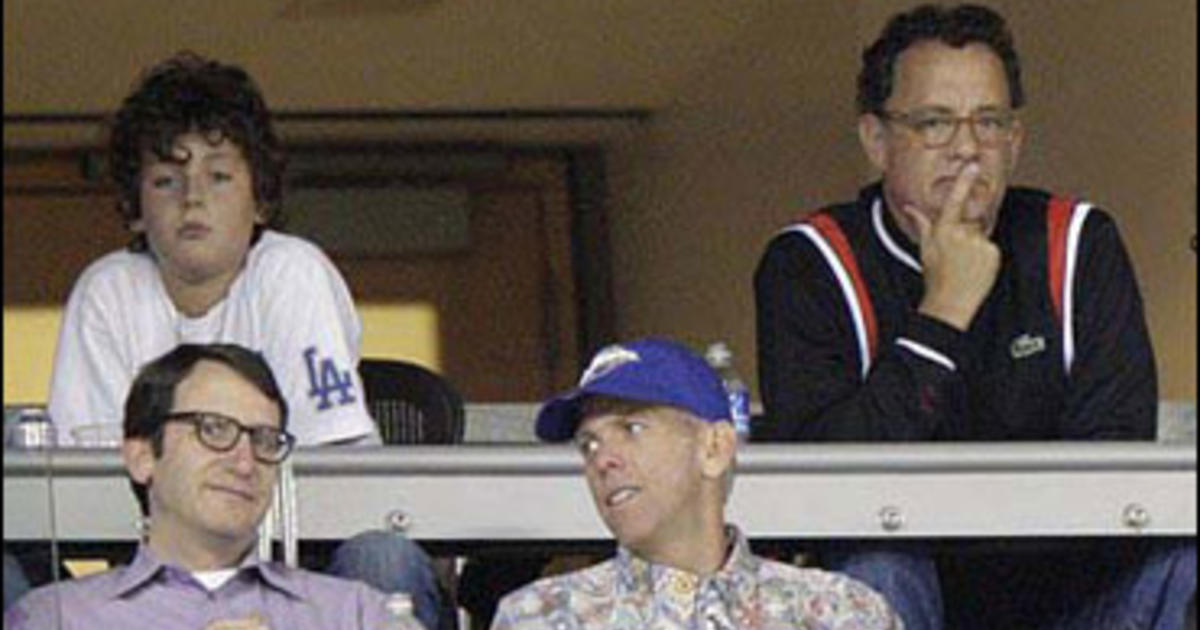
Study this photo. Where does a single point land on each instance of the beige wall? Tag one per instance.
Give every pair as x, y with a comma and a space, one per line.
760, 132
766, 130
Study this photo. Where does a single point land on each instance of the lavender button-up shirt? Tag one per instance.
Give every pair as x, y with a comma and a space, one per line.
151, 595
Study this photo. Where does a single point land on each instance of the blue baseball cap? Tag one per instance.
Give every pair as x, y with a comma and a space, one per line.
649, 370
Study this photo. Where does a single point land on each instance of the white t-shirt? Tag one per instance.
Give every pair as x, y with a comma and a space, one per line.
289, 302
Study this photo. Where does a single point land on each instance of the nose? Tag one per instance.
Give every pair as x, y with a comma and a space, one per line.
243, 455
965, 142
193, 189
607, 457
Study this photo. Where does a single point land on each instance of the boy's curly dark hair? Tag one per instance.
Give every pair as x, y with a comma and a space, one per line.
189, 93
954, 27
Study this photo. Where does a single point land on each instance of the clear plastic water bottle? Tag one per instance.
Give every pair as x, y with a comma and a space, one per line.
400, 615
32, 430
721, 359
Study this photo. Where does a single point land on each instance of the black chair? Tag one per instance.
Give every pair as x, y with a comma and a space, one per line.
411, 404
414, 405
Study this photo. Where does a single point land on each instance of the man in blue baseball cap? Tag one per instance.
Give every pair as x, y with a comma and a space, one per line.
651, 420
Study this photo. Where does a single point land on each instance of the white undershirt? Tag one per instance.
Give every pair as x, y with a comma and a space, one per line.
213, 580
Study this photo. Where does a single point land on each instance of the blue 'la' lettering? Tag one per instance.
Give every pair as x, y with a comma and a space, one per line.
330, 380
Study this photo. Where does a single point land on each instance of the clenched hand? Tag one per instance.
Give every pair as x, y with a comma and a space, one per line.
960, 263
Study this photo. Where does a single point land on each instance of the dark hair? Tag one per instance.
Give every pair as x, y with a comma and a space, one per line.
189, 93
152, 395
954, 27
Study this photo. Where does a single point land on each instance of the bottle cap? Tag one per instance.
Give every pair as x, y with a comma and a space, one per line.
399, 604
718, 355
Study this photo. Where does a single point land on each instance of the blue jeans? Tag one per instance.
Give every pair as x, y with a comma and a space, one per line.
391, 563
1118, 585
1152, 594
908, 580
15, 582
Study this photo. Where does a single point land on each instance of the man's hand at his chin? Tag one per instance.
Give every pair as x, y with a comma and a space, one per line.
960, 263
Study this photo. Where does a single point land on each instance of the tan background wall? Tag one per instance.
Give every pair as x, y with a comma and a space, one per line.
753, 117
766, 131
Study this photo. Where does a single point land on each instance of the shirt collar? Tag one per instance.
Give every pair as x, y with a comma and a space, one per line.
281, 577
146, 566
636, 575
890, 236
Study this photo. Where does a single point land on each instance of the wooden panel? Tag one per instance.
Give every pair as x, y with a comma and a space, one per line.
506, 307
50, 239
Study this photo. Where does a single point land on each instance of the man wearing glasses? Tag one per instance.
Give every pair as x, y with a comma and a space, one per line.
205, 490
945, 304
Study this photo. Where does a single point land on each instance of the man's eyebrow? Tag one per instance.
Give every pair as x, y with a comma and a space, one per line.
942, 109
932, 109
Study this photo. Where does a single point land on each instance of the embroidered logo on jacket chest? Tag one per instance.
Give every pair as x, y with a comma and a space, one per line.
1026, 345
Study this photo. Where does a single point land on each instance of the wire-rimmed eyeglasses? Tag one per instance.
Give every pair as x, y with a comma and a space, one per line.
221, 433
935, 129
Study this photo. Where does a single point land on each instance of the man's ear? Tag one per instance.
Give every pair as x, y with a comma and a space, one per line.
139, 458
718, 447
872, 135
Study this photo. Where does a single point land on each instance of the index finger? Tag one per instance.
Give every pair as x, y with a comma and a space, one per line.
956, 201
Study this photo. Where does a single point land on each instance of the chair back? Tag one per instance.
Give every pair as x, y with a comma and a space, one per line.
411, 404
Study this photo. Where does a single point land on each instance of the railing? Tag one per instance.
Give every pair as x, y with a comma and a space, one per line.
534, 492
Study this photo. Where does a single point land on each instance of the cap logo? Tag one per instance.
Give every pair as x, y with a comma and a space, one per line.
607, 360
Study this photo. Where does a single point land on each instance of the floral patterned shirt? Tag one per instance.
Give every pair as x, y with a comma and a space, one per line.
747, 593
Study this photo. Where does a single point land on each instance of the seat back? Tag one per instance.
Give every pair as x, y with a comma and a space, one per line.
411, 404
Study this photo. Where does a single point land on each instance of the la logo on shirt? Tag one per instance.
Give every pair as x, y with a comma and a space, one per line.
328, 385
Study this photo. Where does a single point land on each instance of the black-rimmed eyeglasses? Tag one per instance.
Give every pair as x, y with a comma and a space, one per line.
938, 129
221, 433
